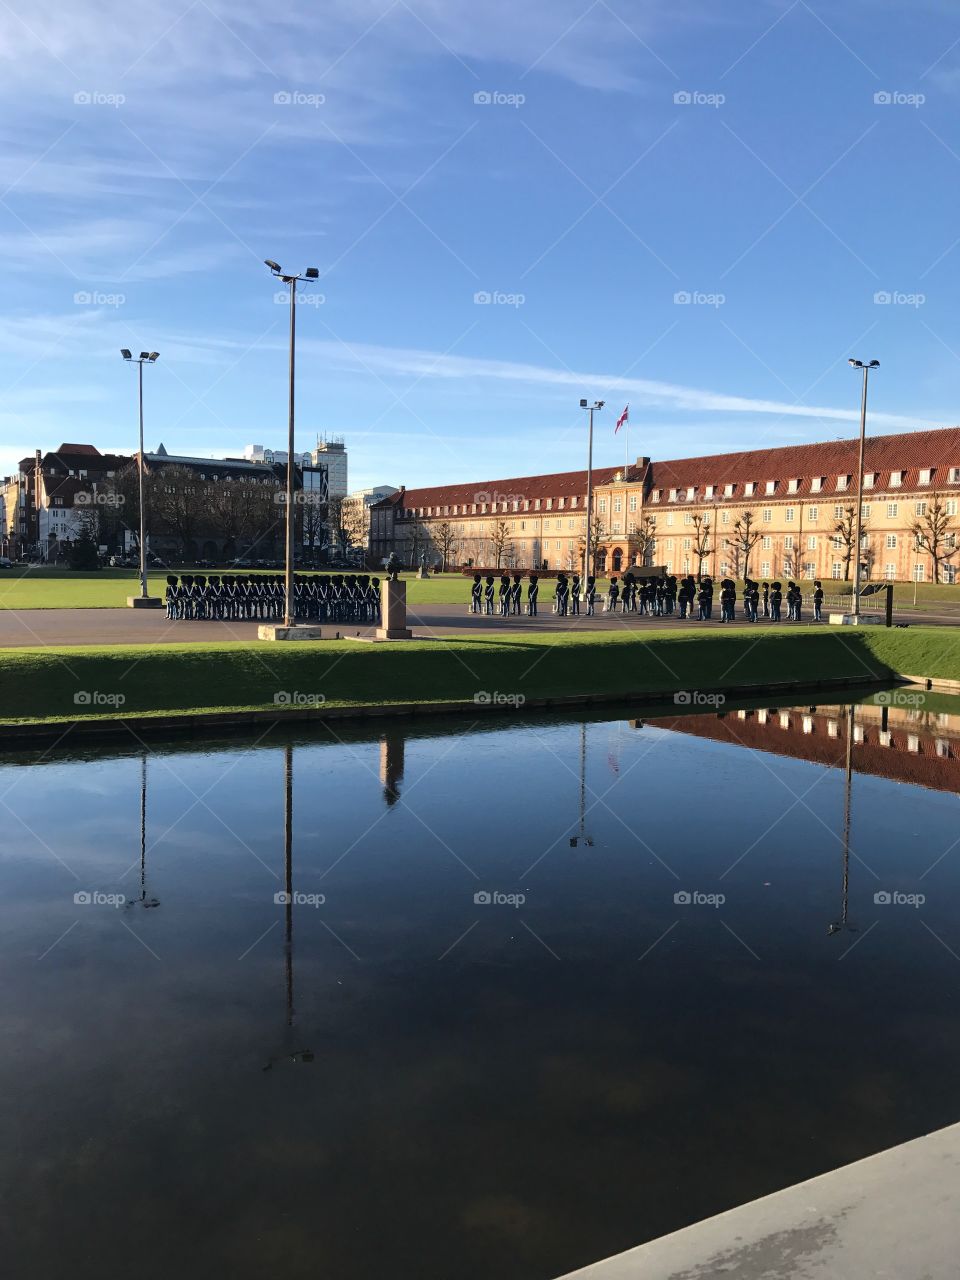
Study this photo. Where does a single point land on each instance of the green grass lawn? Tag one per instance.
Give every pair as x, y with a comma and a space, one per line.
57, 588
42, 684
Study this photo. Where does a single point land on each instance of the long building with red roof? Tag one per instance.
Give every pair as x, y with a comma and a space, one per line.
780, 512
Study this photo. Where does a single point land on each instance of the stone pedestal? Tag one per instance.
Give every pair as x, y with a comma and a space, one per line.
276, 631
144, 602
393, 599
422, 572
863, 620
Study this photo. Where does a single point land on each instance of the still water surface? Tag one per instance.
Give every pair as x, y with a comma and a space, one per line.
489, 1036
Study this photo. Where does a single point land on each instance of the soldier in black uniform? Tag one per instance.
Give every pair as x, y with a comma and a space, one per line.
776, 599
476, 594
591, 596
170, 597
575, 595
818, 602
532, 591
613, 595
504, 595
766, 599
516, 594
488, 596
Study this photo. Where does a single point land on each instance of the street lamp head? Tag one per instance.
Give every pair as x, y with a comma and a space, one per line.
583, 404
855, 364
154, 356
124, 351
274, 266
874, 364
600, 404
311, 273
144, 355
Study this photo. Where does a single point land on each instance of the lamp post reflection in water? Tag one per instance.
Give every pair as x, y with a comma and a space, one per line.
143, 900
843, 922
582, 838
289, 1055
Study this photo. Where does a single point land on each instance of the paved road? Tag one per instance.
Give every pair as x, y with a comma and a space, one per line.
42, 627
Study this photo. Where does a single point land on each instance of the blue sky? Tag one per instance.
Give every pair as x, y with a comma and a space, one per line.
790, 169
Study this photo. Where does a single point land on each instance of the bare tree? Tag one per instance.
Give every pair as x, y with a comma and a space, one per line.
180, 500
645, 536
597, 534
844, 537
124, 487
242, 511
445, 538
933, 534
501, 543
701, 541
745, 539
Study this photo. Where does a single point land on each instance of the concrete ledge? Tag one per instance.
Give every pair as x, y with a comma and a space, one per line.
274, 631
144, 602
895, 1215
933, 683
197, 724
862, 620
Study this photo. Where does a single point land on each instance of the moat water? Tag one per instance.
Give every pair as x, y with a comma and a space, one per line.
466, 999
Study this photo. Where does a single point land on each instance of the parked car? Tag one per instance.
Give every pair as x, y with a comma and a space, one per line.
6, 562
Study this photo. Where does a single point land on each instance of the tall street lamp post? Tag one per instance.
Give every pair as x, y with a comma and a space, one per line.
311, 273
143, 601
591, 409
866, 366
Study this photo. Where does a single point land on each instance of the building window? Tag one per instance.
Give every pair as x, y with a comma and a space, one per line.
789, 514
926, 474
949, 572
656, 495
767, 515
843, 482
687, 518
896, 479
771, 486
920, 508
633, 502
950, 507
811, 543
764, 568
750, 488
816, 484
891, 541
669, 517
711, 490
838, 512
691, 493
868, 478
889, 571
809, 568
767, 543
837, 569
788, 542
602, 506
687, 544
793, 486
728, 490
892, 509
918, 573
724, 517
673, 495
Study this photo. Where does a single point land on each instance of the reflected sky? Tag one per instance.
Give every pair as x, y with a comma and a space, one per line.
437, 992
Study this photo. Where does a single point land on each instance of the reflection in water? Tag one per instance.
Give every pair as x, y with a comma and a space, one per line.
505, 1088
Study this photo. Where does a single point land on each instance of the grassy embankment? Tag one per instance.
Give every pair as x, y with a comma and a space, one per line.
57, 588
42, 684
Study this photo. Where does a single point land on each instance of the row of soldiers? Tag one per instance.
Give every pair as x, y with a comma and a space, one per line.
261, 597
661, 596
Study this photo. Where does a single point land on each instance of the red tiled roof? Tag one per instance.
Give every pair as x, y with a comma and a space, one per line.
88, 449
909, 452
562, 484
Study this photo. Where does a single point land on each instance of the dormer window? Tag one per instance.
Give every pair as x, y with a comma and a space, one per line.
691, 492
673, 495
656, 495
728, 490
896, 479
843, 482
793, 486
536, 504
771, 486
559, 502
954, 475
750, 488
869, 479
549, 504
711, 490
927, 474
573, 501
816, 484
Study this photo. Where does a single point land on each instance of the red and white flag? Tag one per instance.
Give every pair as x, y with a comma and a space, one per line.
624, 417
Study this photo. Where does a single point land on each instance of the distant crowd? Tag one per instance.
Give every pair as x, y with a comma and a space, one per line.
659, 597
